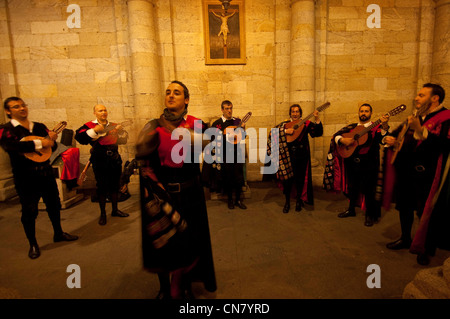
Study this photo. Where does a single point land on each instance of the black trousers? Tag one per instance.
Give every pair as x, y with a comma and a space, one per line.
233, 177
412, 189
31, 187
362, 180
107, 167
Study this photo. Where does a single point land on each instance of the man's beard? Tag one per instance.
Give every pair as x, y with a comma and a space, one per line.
364, 118
424, 107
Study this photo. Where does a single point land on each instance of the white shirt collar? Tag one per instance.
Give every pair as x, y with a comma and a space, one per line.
224, 119
17, 123
96, 122
366, 124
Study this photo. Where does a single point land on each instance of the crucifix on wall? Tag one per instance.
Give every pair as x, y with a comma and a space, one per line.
224, 32
223, 28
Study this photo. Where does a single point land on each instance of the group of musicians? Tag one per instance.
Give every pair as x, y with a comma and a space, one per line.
411, 171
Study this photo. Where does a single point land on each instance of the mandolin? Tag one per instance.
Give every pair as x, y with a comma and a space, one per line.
359, 134
112, 127
298, 125
401, 136
233, 134
43, 154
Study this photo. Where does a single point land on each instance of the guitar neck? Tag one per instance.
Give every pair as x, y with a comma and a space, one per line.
303, 121
60, 127
367, 129
244, 120
320, 109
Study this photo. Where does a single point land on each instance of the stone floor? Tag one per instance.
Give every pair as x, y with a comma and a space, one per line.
259, 253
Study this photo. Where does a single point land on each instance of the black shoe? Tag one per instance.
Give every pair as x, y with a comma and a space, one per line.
240, 205
102, 219
399, 244
347, 213
368, 222
34, 251
298, 205
286, 208
423, 259
230, 204
64, 237
118, 213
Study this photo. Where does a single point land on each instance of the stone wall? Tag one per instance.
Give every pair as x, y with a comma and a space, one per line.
308, 52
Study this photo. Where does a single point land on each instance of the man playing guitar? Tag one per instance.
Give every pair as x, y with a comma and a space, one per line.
229, 169
419, 168
104, 137
33, 180
359, 172
295, 156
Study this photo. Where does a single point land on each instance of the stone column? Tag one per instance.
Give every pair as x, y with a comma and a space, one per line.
426, 31
440, 72
302, 66
7, 89
302, 62
145, 63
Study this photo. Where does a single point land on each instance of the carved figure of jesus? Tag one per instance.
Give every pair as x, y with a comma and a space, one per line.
224, 27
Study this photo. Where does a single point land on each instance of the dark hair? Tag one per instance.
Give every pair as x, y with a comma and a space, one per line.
436, 89
185, 89
295, 105
366, 104
6, 106
226, 102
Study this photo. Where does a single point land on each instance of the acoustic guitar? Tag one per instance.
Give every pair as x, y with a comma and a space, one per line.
401, 136
298, 125
43, 154
359, 134
233, 133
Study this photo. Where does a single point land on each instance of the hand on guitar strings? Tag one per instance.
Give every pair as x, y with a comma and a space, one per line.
47, 142
99, 128
390, 140
414, 123
289, 131
347, 141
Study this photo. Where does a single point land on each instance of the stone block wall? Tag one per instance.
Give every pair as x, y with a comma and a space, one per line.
63, 72
297, 51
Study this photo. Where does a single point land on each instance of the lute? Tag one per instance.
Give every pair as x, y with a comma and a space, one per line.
43, 154
298, 125
401, 136
234, 133
109, 128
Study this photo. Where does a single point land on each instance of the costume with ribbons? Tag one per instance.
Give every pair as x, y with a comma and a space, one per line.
175, 229
294, 160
